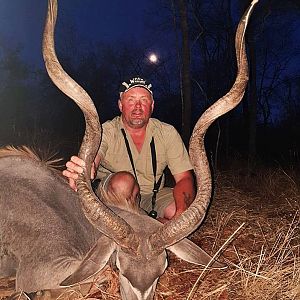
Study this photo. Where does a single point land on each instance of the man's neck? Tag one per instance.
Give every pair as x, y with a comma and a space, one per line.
138, 135
136, 131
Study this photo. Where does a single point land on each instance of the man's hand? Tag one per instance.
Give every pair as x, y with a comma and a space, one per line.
183, 192
74, 167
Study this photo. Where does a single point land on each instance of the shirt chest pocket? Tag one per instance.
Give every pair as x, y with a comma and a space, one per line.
117, 162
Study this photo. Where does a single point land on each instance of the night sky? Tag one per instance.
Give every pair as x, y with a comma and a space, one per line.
21, 22
111, 23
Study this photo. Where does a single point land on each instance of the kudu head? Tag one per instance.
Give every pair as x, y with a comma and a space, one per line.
140, 271
138, 241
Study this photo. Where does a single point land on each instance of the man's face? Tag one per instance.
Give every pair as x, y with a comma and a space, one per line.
136, 106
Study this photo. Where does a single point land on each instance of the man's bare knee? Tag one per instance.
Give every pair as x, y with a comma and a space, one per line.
124, 185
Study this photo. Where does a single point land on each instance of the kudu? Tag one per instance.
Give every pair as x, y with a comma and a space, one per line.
51, 236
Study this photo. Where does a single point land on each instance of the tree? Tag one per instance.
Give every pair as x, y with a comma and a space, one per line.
185, 72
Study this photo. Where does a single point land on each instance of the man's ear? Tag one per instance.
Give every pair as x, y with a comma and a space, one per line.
120, 105
190, 252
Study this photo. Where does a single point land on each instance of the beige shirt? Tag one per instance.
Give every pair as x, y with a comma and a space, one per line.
170, 151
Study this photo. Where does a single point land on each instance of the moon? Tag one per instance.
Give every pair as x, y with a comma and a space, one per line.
153, 58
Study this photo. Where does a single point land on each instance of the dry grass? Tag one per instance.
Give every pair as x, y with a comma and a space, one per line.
263, 259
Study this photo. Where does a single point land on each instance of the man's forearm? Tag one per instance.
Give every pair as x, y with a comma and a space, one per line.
184, 194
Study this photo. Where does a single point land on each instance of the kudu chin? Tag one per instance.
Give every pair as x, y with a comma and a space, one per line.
52, 237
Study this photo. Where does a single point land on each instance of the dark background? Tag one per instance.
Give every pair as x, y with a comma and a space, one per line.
99, 43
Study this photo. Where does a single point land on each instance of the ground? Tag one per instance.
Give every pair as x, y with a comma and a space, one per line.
252, 225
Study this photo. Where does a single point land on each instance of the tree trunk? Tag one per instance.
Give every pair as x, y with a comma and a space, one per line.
252, 106
185, 73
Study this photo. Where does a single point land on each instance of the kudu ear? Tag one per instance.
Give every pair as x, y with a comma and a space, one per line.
94, 261
190, 252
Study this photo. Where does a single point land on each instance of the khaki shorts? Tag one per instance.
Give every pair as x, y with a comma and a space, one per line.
163, 198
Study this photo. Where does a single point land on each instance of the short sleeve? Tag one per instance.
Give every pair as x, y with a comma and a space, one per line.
106, 133
178, 159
